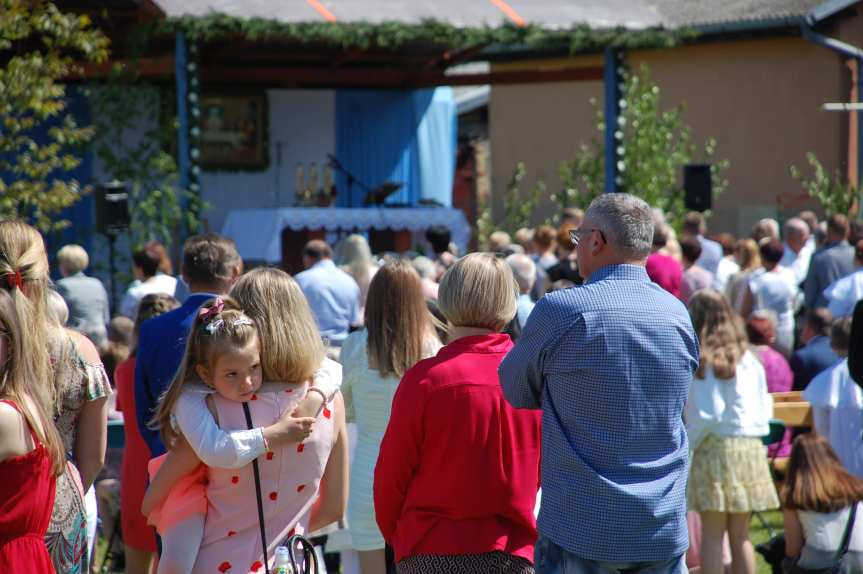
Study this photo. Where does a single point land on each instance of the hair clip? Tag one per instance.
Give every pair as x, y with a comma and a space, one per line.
14, 279
243, 321
214, 326
207, 314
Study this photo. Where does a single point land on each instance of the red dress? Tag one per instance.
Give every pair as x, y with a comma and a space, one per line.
133, 476
27, 488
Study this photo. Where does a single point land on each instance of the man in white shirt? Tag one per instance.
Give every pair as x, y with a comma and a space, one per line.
333, 295
837, 403
798, 248
842, 295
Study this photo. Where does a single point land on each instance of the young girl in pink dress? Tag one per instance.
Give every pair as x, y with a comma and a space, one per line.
222, 370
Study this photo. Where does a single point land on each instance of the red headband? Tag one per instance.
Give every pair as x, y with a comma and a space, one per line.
14, 279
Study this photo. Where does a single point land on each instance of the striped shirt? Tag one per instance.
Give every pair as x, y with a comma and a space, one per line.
610, 364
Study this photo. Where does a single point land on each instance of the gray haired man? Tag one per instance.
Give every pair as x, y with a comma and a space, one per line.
609, 363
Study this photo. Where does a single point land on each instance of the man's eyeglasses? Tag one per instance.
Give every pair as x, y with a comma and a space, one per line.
575, 233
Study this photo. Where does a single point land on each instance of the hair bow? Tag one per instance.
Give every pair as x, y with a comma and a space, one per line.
14, 279
207, 314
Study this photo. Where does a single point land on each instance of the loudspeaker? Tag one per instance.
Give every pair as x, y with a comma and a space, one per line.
697, 187
112, 208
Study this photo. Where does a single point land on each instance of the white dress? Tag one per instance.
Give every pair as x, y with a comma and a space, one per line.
371, 397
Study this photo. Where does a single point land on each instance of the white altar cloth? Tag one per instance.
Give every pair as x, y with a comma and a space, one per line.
258, 232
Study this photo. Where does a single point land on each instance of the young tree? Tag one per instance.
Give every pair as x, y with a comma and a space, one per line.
655, 146
39, 138
833, 193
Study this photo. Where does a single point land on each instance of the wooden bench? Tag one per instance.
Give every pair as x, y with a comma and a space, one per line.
795, 412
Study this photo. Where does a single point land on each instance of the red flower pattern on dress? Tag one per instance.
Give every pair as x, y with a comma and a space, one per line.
224, 567
274, 495
327, 412
301, 487
231, 533
254, 397
235, 479
257, 565
269, 456
301, 447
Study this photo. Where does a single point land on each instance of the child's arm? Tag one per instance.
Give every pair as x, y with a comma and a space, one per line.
334, 483
232, 449
180, 461
326, 383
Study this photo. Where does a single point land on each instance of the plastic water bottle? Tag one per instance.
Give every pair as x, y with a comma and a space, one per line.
282, 564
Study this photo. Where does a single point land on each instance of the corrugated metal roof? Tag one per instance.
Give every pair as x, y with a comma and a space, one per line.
553, 14
710, 13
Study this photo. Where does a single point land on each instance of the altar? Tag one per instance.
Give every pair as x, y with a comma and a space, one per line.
259, 233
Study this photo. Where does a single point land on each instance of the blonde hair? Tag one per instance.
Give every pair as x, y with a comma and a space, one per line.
397, 319
73, 258
748, 254
211, 334
355, 257
720, 331
19, 381
58, 309
22, 254
478, 291
291, 345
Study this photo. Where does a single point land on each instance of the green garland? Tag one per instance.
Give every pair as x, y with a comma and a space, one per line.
392, 36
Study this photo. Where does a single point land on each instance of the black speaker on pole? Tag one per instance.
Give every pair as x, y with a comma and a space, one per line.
697, 187
112, 208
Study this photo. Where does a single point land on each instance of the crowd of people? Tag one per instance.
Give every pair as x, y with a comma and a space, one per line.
591, 398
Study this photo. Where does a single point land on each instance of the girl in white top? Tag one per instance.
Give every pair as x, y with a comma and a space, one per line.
817, 496
290, 349
727, 410
398, 333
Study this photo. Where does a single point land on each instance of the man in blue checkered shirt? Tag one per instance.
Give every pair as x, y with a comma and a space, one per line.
610, 364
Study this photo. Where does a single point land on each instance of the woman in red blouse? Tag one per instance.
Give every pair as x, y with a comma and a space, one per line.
458, 471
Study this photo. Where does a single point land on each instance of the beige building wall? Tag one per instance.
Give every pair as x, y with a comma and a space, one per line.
760, 99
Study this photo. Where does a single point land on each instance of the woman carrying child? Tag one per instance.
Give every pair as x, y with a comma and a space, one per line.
226, 363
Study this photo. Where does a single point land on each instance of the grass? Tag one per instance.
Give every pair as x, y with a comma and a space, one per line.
757, 533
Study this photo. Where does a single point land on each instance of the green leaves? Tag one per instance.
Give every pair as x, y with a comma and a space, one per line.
38, 45
835, 195
393, 36
656, 144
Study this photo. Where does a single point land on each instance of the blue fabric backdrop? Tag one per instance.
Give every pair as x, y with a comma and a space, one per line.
405, 137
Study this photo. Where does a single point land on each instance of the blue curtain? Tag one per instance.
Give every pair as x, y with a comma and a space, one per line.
406, 137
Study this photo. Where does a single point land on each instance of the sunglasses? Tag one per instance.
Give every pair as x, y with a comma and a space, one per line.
575, 233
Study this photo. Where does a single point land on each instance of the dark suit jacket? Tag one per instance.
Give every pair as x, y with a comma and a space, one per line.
855, 348
161, 345
810, 360
827, 265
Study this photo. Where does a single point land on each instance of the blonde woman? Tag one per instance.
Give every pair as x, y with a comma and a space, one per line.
726, 415
456, 479
31, 451
80, 393
748, 256
399, 332
293, 367
355, 258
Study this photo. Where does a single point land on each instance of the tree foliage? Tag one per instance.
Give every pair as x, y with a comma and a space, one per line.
518, 209
834, 195
134, 133
653, 146
39, 138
